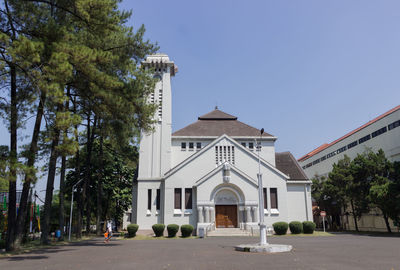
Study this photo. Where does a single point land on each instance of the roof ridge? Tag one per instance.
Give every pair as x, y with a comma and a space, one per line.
217, 115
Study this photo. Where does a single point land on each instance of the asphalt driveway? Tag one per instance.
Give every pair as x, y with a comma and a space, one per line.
342, 251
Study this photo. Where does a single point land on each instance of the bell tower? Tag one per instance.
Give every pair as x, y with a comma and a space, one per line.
155, 147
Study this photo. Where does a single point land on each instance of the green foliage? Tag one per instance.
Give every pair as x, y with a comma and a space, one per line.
281, 227
369, 180
384, 192
117, 171
158, 229
2, 221
308, 227
172, 230
296, 227
186, 230
78, 52
132, 229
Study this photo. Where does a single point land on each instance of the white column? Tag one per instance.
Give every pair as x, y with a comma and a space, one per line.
241, 214
207, 214
200, 214
255, 214
248, 214
212, 214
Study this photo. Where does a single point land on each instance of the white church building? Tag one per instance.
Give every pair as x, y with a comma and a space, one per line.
205, 174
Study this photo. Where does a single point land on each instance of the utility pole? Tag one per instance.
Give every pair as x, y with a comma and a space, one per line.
263, 231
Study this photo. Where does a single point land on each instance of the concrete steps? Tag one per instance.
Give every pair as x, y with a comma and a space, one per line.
228, 232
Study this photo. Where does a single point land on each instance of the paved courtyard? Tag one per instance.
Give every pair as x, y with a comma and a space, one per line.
342, 251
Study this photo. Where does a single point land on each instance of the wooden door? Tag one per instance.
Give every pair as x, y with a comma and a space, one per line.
226, 216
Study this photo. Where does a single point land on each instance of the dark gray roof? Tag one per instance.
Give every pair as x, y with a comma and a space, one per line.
286, 163
217, 123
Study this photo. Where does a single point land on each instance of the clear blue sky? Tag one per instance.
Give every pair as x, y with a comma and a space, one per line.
306, 71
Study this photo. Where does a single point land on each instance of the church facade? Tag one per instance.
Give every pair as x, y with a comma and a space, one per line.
205, 174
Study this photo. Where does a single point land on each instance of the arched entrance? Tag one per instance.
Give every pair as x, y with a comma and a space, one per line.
226, 208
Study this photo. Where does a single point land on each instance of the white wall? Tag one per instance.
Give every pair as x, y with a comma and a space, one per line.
145, 218
178, 155
299, 202
187, 176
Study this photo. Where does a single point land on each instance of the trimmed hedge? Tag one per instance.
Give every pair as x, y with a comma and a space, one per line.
132, 229
281, 227
158, 229
296, 227
308, 227
172, 230
186, 230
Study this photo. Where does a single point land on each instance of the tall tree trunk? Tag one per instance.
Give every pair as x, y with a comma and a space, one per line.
12, 189
89, 146
354, 215
61, 195
86, 187
62, 176
385, 217
79, 202
49, 188
22, 211
100, 190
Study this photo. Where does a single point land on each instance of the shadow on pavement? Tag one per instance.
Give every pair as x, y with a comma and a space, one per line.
22, 258
39, 253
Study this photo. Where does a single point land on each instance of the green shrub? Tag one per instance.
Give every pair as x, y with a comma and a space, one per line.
280, 228
121, 234
186, 230
2, 244
158, 229
132, 229
172, 230
296, 227
308, 227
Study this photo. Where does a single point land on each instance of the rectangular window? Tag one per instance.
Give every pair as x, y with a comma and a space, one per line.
183, 146
274, 198
394, 125
331, 154
191, 146
158, 199
316, 161
351, 145
198, 145
364, 139
323, 158
243, 144
379, 132
342, 149
265, 198
149, 199
188, 198
178, 198
251, 145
